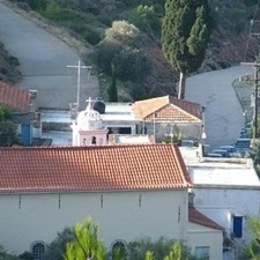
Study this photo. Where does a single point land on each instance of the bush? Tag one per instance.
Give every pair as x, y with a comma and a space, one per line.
131, 64
91, 36
105, 20
24, 6
160, 248
6, 256
13, 61
35, 4
52, 11
144, 18
57, 248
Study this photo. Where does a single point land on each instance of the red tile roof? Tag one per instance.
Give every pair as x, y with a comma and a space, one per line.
196, 217
124, 167
15, 98
167, 108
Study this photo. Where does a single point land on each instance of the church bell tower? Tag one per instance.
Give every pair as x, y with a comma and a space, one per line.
88, 129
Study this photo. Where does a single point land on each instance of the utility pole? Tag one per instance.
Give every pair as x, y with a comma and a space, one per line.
154, 124
79, 67
256, 67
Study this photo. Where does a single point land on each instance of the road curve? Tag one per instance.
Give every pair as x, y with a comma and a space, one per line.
224, 114
44, 60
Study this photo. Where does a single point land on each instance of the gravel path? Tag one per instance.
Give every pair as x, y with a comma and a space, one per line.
43, 60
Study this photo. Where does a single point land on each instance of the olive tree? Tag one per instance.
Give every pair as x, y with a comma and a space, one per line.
121, 54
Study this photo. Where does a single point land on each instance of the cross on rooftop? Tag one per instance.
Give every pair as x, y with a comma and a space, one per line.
79, 67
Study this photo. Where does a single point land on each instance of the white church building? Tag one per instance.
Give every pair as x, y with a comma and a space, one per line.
132, 191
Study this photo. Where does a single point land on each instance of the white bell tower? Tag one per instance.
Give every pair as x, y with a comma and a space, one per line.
88, 129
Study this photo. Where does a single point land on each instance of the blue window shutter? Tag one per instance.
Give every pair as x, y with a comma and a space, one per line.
238, 226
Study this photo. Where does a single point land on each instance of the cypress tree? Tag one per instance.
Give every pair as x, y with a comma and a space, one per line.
186, 30
112, 91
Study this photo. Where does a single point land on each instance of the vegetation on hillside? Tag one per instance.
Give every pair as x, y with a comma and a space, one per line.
9, 66
88, 20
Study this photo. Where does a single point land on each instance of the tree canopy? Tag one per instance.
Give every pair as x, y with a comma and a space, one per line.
57, 248
86, 244
186, 31
252, 250
8, 129
121, 54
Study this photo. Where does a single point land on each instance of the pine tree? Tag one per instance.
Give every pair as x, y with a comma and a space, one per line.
148, 255
175, 253
186, 31
86, 245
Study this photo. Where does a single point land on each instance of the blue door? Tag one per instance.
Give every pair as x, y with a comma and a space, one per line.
238, 226
26, 134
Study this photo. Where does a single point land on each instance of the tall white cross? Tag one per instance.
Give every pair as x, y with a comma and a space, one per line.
79, 67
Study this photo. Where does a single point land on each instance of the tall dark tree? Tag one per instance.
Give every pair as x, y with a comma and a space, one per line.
186, 31
112, 91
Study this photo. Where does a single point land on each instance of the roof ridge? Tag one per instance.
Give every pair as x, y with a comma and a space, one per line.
93, 147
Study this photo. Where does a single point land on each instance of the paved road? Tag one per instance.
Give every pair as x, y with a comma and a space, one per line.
43, 61
224, 115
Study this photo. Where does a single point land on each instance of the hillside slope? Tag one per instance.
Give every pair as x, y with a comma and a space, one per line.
9, 71
86, 21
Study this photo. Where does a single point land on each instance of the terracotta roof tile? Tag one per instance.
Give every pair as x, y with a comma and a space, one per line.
196, 217
14, 97
129, 167
167, 108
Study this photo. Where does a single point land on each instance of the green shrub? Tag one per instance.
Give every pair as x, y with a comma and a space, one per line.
105, 20
91, 36
52, 11
132, 64
35, 4
145, 18
160, 248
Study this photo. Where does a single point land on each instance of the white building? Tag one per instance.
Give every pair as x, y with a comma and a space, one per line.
226, 190
160, 117
130, 190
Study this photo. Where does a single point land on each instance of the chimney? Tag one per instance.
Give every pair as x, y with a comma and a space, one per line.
191, 196
33, 100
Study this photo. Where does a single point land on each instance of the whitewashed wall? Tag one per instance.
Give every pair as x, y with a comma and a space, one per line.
201, 236
189, 130
220, 203
126, 215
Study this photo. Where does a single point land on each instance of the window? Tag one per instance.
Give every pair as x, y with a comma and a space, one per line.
119, 249
38, 251
238, 226
93, 140
202, 252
